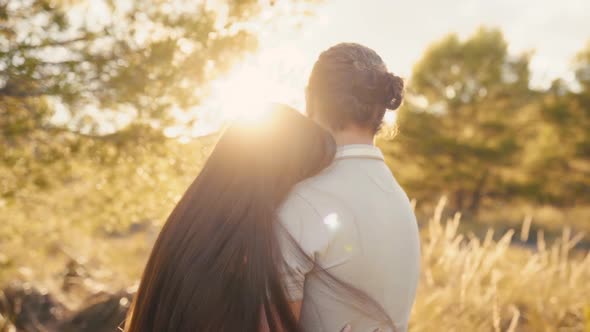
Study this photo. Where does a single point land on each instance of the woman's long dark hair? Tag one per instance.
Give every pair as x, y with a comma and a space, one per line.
216, 265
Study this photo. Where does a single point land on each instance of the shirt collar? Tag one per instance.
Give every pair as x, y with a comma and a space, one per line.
358, 151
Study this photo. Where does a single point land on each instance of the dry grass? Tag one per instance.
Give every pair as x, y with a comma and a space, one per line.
470, 284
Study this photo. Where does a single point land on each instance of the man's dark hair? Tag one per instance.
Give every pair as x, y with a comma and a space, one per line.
350, 85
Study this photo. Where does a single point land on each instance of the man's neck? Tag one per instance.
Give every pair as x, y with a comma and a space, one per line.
353, 136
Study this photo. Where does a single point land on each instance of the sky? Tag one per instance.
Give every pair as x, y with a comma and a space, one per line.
399, 31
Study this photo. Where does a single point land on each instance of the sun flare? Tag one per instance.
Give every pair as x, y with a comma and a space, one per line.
269, 76
245, 93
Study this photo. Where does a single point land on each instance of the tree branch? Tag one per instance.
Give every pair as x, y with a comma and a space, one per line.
8, 92
58, 129
55, 43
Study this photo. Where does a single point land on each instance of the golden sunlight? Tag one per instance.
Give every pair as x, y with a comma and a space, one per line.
245, 92
272, 75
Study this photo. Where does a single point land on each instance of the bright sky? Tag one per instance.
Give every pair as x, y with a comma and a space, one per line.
399, 31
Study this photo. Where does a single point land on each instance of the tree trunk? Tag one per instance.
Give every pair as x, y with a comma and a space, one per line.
459, 198
478, 193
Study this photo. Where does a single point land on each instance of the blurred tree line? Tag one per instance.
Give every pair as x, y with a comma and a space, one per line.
473, 128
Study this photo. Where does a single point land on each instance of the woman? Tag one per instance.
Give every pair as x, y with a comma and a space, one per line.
217, 264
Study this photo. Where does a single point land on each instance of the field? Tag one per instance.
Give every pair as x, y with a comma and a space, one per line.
85, 236
469, 283
473, 284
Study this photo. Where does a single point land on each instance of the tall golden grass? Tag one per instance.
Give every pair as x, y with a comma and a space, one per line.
470, 284
467, 284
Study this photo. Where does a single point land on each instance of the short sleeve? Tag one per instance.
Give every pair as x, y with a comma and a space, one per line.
301, 237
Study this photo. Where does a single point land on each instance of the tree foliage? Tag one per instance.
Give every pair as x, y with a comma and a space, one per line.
460, 129
137, 58
108, 74
472, 127
558, 155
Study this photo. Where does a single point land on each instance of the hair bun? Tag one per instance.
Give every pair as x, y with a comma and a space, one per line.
393, 91
379, 87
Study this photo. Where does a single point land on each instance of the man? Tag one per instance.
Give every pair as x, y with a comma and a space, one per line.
353, 220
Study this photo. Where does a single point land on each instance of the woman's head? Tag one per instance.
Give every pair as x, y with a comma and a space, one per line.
350, 87
215, 265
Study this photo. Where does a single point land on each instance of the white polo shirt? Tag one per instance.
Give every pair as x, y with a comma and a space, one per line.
356, 222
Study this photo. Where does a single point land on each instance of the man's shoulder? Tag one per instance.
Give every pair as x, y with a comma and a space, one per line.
319, 184
314, 198
312, 213
299, 201
309, 192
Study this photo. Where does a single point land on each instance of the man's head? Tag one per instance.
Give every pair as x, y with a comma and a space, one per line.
350, 89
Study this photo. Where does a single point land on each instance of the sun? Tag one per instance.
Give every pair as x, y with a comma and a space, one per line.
269, 76
248, 92
245, 93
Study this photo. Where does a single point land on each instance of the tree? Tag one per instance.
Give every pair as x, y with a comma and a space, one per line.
138, 57
557, 158
101, 61
458, 128
582, 69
